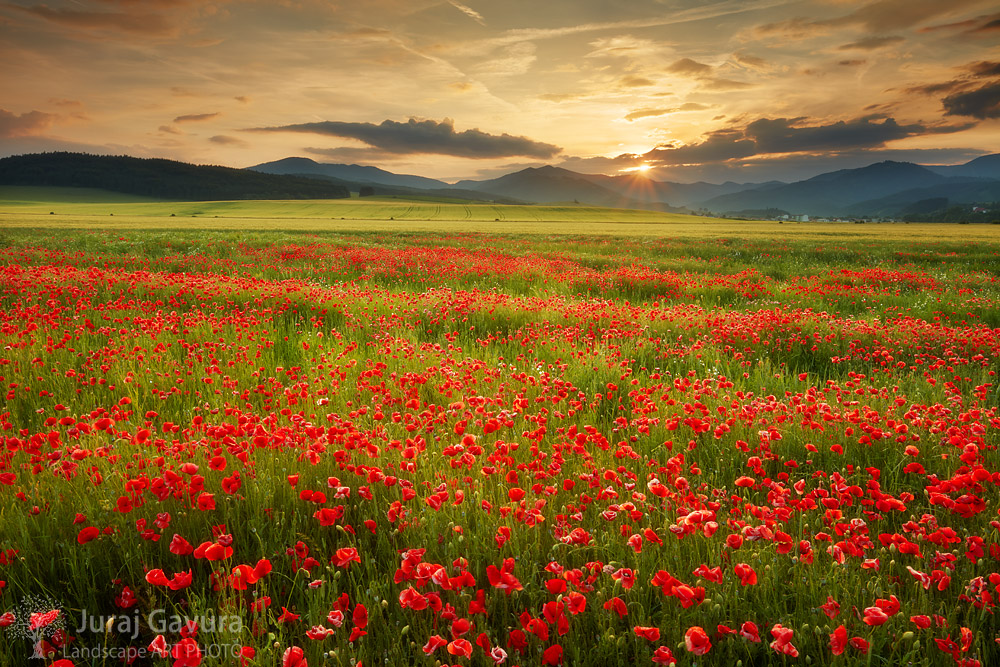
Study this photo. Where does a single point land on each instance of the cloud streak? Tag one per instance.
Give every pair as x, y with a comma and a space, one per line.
425, 136
197, 117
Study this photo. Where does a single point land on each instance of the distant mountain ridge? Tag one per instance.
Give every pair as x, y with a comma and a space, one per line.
883, 189
880, 189
877, 189
301, 166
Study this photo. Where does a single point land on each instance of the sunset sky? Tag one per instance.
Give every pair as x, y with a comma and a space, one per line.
744, 90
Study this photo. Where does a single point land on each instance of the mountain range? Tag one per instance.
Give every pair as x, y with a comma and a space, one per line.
883, 189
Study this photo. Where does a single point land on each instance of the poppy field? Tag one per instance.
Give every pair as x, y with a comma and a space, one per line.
276, 448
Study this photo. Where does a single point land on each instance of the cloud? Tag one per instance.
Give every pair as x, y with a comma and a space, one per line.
703, 72
984, 68
242, 99
857, 62
651, 113
981, 103
425, 136
169, 129
962, 101
223, 140
197, 117
776, 136
753, 62
26, 124
689, 67
936, 88
468, 11
66, 103
871, 43
990, 26
984, 23
633, 81
725, 84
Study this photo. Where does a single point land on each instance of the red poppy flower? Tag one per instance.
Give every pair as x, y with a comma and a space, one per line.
838, 640
553, 655
345, 556
462, 647
87, 534
618, 606
294, 657
696, 640
186, 653
434, 642
360, 616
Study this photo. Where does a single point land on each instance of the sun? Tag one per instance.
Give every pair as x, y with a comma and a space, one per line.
641, 169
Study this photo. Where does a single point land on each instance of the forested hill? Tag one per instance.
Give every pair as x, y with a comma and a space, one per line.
160, 179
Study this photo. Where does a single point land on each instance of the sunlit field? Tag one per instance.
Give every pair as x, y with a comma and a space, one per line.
619, 438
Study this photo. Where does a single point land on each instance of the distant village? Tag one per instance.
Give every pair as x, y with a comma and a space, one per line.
986, 213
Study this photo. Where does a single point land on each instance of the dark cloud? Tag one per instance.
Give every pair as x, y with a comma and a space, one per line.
242, 99
984, 68
223, 140
990, 26
963, 101
871, 43
981, 103
25, 124
852, 63
169, 129
688, 67
425, 136
196, 117
937, 88
775, 136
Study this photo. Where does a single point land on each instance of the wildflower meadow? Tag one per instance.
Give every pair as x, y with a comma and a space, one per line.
358, 449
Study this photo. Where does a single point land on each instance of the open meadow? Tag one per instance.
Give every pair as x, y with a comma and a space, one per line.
304, 432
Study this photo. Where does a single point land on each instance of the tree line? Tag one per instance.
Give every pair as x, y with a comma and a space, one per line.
159, 178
